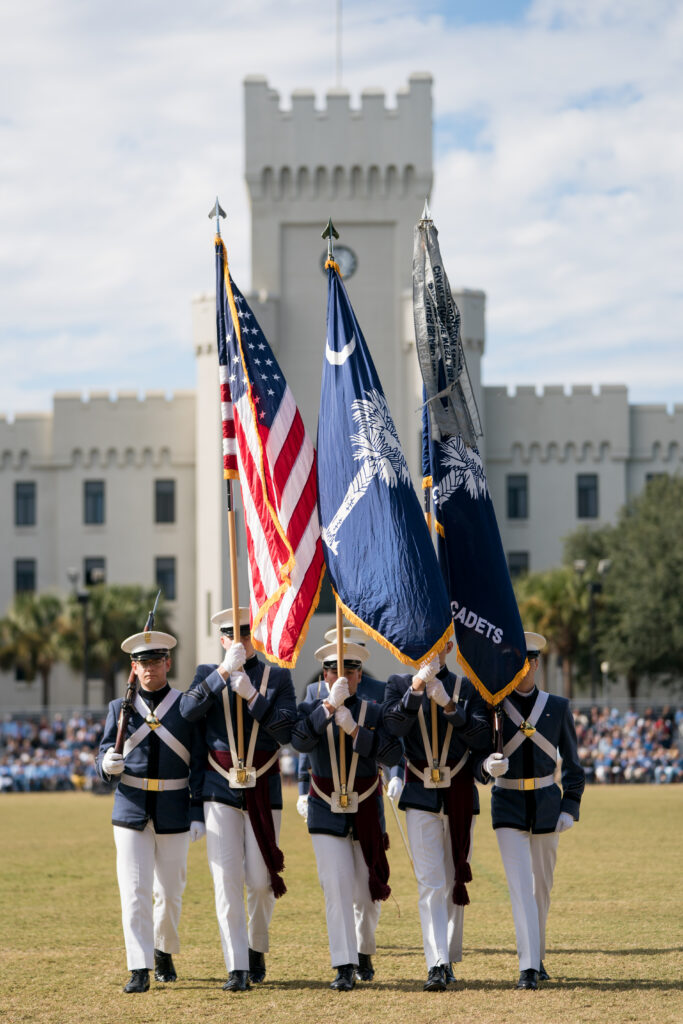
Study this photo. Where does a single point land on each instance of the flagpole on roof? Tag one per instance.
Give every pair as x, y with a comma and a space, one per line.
218, 212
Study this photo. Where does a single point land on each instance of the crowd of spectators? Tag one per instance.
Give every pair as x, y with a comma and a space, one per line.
628, 746
58, 752
54, 753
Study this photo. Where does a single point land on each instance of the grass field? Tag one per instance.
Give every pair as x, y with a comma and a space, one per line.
615, 928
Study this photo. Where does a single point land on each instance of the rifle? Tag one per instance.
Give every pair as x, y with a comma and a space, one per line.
131, 690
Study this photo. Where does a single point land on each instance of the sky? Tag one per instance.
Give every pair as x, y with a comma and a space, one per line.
558, 181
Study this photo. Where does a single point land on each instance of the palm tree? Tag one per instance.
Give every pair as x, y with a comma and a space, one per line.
30, 638
114, 612
554, 603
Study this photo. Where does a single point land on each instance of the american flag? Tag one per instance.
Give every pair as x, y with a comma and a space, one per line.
266, 447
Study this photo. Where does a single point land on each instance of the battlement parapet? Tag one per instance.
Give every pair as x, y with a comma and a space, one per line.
338, 151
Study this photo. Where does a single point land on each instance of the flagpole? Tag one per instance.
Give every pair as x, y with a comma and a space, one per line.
217, 212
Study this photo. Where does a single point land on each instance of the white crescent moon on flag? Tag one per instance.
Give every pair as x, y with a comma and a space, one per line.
339, 358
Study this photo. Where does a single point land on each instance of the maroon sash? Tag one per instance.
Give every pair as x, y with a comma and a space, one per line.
260, 814
373, 842
459, 800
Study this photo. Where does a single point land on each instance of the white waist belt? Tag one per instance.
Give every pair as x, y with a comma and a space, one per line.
546, 780
361, 796
154, 785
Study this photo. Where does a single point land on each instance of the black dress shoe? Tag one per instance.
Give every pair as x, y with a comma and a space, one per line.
138, 981
436, 980
257, 967
449, 977
345, 979
238, 981
528, 979
365, 971
543, 974
163, 967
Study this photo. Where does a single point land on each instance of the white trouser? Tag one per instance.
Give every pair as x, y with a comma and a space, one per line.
235, 861
152, 870
441, 920
529, 862
350, 910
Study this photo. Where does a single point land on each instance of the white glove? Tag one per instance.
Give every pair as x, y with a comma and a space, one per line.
112, 763
564, 822
345, 720
234, 658
436, 691
339, 692
427, 670
302, 806
197, 831
395, 788
240, 683
496, 765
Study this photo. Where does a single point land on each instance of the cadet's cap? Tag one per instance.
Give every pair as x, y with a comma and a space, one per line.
354, 655
149, 645
224, 621
534, 642
353, 633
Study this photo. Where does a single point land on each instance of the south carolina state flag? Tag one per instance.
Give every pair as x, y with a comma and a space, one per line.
378, 552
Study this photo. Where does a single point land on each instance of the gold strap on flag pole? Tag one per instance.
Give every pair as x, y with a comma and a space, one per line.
343, 798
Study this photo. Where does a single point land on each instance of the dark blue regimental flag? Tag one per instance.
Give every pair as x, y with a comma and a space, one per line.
381, 561
488, 628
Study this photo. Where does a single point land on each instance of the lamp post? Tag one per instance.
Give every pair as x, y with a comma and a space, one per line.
594, 587
83, 597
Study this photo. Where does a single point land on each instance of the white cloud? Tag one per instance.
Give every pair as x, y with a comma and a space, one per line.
119, 124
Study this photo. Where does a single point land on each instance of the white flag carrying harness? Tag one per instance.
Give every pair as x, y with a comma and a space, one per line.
243, 776
152, 723
535, 736
335, 802
439, 775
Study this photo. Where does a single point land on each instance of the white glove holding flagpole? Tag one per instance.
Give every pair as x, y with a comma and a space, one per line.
241, 684
302, 806
339, 692
564, 822
345, 720
235, 657
426, 672
495, 765
112, 763
436, 691
394, 788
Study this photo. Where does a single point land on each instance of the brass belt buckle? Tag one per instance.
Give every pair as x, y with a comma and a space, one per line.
528, 784
343, 797
436, 773
241, 773
153, 785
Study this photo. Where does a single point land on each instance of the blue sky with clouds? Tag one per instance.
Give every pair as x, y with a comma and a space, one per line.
558, 156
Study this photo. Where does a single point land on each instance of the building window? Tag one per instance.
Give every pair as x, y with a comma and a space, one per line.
93, 501
164, 501
24, 503
587, 496
518, 496
94, 571
24, 575
165, 575
518, 563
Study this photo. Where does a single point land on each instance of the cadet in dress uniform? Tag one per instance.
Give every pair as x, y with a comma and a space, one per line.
440, 799
346, 823
243, 802
368, 689
157, 809
528, 809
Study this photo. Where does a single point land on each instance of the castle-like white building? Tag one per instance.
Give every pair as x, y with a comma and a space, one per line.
131, 490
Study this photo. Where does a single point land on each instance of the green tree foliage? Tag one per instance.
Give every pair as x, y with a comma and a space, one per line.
30, 638
114, 612
554, 604
642, 629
